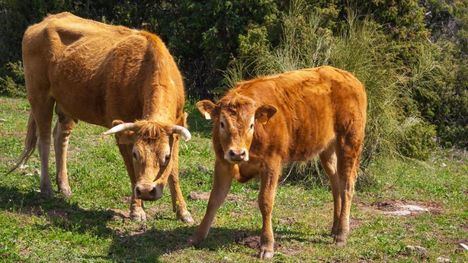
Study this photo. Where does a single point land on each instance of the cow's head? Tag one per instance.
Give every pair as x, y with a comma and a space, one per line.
151, 144
234, 120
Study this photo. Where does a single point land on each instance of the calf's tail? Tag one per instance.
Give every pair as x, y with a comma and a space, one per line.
29, 144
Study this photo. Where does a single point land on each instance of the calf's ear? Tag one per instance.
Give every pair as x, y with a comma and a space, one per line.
206, 107
264, 113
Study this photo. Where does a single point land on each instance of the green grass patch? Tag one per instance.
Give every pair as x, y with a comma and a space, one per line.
88, 226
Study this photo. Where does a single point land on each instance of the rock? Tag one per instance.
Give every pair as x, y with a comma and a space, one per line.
442, 259
203, 169
419, 251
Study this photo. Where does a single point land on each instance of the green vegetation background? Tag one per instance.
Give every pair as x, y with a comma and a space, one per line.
418, 47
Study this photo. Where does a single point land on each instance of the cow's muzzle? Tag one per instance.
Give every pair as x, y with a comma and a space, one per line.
148, 192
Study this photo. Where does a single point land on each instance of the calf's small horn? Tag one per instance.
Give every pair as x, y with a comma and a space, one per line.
182, 131
120, 127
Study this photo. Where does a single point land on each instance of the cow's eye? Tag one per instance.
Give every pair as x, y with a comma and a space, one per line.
251, 126
222, 125
135, 156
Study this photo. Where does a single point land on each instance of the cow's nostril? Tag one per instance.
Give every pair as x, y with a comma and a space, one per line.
137, 191
153, 192
232, 153
242, 154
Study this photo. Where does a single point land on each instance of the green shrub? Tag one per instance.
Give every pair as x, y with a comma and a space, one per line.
360, 47
419, 139
12, 83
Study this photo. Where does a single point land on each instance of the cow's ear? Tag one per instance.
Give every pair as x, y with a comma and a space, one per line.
206, 108
124, 137
264, 113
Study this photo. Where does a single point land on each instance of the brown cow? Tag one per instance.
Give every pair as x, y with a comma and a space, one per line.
114, 77
266, 122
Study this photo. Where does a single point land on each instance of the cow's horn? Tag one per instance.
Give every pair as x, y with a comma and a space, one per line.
182, 131
120, 127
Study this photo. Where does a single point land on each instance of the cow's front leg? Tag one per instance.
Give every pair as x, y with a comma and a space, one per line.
136, 205
266, 200
178, 203
224, 173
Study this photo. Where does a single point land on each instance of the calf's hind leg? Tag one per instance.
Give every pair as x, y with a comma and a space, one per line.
329, 164
349, 149
62, 132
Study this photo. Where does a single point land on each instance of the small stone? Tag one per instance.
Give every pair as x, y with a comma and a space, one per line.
203, 169
442, 260
419, 251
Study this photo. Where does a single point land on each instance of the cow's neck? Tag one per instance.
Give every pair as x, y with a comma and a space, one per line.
159, 105
160, 96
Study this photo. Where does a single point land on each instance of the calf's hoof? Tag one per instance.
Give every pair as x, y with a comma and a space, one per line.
340, 240
138, 214
186, 217
66, 191
194, 240
266, 253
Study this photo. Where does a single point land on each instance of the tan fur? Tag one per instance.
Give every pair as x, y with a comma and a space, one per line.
298, 115
105, 75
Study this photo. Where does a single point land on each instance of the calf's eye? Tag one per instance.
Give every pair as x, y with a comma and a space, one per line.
251, 126
135, 155
222, 125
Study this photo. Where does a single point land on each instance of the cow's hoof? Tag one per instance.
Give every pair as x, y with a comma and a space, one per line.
266, 253
138, 214
66, 191
186, 217
46, 191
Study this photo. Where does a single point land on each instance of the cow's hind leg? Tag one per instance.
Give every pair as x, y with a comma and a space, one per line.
349, 149
136, 205
62, 132
329, 164
42, 109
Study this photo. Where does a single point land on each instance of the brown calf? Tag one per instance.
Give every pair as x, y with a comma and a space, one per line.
114, 77
264, 123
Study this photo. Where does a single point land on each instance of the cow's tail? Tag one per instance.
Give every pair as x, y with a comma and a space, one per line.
29, 144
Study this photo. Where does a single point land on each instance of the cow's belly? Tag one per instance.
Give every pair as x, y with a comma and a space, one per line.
81, 103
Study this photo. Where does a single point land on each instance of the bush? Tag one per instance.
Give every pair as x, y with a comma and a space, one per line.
360, 47
12, 82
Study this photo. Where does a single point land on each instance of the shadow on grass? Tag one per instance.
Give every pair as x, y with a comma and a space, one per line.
145, 245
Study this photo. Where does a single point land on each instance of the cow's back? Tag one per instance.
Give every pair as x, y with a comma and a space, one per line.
95, 72
312, 105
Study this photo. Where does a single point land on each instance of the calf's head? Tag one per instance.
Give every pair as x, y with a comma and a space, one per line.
234, 120
151, 149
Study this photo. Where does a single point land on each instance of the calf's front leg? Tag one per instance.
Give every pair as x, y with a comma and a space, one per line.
222, 180
266, 200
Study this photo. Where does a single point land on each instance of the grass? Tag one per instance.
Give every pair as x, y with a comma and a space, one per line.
88, 226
